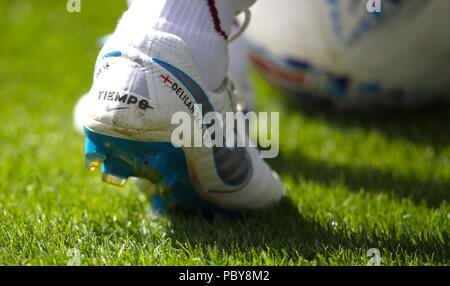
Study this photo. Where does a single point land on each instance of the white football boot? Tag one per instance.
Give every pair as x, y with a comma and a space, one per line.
140, 81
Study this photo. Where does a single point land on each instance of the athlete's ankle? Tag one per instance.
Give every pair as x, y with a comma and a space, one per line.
204, 25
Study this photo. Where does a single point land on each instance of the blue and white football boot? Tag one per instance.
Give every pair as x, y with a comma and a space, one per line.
140, 81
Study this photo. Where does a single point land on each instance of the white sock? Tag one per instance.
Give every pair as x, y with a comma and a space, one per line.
193, 21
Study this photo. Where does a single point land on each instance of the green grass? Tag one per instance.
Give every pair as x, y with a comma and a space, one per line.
354, 182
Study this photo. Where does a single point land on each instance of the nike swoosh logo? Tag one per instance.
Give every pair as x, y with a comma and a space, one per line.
232, 166
109, 109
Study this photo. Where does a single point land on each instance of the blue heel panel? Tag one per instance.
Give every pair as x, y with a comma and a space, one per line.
160, 160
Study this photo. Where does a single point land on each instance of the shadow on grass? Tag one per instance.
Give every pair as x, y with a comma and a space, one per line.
430, 192
284, 233
427, 125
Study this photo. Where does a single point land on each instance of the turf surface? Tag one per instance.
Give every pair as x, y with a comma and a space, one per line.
354, 183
